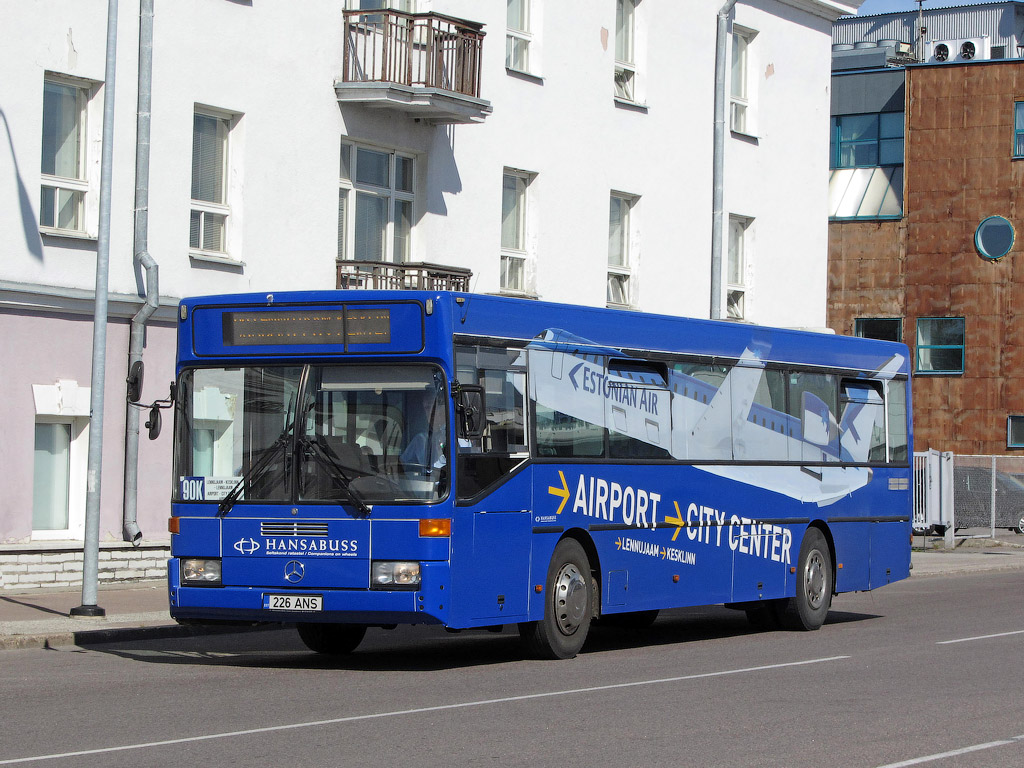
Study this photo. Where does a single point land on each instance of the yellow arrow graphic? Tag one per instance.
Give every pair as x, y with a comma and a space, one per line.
677, 521
562, 492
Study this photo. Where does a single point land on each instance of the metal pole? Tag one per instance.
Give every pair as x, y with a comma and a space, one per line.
993, 534
91, 548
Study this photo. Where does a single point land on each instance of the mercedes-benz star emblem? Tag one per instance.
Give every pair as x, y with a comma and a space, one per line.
294, 571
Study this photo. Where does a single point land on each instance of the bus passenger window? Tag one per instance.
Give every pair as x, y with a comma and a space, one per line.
896, 415
862, 428
813, 405
501, 372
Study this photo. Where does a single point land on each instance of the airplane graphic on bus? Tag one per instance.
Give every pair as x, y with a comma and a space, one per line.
727, 418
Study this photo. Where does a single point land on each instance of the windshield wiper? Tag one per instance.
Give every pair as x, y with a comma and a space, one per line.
327, 458
254, 473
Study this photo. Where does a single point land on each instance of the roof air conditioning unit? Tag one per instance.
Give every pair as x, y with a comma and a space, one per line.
964, 49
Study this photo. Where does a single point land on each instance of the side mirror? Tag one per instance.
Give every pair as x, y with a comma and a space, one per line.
135, 374
153, 425
470, 410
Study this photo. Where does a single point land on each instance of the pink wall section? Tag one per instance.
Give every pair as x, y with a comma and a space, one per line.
40, 349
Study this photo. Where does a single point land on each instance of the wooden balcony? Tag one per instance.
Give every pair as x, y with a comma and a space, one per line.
406, 276
422, 64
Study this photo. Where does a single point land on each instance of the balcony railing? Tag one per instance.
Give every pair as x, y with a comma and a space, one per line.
407, 276
424, 63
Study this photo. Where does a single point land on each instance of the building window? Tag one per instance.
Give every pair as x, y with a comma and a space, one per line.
209, 221
51, 477
517, 35
63, 169
1015, 431
513, 230
867, 141
736, 268
375, 204
60, 458
883, 328
1018, 129
625, 62
940, 345
741, 88
619, 267
994, 237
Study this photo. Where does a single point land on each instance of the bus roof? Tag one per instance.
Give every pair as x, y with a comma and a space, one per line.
526, 320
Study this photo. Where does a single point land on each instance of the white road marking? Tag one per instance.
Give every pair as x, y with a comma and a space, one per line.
955, 752
417, 711
980, 637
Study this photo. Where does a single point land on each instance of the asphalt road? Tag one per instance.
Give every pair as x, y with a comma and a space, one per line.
898, 676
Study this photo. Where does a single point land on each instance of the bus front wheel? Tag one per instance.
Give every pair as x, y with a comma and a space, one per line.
813, 585
331, 639
568, 605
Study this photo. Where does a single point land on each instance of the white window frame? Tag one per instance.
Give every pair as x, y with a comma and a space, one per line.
511, 255
737, 265
67, 403
623, 272
625, 80
85, 183
349, 189
742, 86
224, 207
516, 37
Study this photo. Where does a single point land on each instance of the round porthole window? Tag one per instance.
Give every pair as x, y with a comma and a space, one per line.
994, 237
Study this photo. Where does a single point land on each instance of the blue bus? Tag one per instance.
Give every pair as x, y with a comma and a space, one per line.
349, 459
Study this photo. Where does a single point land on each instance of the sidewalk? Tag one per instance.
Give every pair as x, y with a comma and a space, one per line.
39, 618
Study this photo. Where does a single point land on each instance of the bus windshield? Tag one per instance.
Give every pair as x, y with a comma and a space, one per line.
319, 433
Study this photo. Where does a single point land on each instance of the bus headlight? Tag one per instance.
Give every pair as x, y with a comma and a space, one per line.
394, 574
202, 571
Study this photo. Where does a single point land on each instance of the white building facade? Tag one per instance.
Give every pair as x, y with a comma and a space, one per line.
554, 150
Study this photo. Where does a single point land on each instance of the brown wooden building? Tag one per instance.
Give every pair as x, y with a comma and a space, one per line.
943, 274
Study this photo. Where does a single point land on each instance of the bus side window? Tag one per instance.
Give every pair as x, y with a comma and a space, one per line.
896, 420
862, 428
813, 403
484, 460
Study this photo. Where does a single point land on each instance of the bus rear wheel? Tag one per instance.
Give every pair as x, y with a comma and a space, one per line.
331, 639
814, 581
568, 605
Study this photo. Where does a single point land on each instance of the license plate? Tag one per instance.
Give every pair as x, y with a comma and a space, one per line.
294, 602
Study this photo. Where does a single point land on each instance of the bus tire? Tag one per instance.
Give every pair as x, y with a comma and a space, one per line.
331, 639
568, 605
807, 611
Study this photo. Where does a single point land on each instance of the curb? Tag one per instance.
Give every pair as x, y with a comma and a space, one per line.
92, 637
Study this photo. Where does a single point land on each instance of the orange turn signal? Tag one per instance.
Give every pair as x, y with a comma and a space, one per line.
174, 524
439, 528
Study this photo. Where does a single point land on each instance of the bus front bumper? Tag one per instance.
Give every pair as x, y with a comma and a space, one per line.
427, 604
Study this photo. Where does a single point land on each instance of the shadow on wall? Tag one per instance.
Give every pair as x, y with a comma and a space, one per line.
29, 222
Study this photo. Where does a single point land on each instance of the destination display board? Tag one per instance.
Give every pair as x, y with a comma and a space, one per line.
305, 326
364, 328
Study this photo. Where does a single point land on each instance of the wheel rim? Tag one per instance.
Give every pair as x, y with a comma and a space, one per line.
570, 599
814, 579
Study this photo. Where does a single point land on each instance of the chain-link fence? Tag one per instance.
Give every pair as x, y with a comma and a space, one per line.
957, 492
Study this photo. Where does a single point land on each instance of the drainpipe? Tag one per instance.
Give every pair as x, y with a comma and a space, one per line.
142, 261
718, 161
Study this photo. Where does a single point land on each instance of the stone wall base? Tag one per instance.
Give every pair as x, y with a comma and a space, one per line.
31, 566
